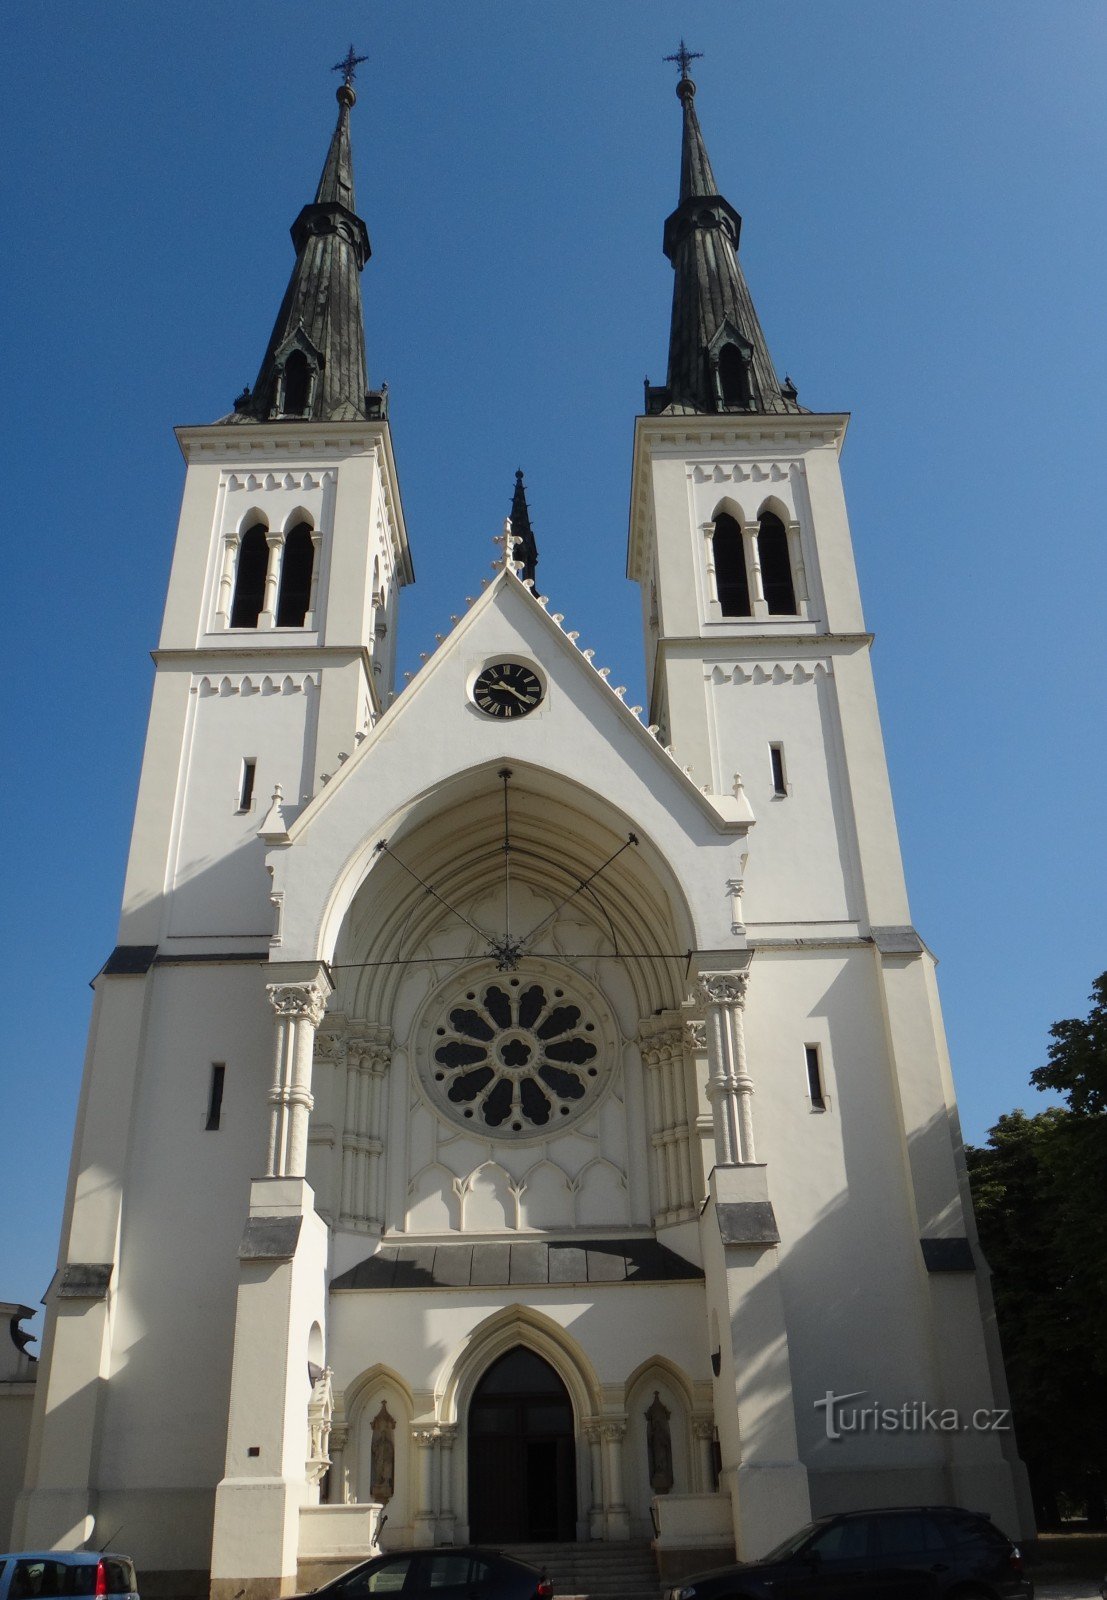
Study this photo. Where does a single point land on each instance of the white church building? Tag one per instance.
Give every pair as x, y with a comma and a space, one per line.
508, 1111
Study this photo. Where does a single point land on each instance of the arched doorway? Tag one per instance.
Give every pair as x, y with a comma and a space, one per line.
522, 1457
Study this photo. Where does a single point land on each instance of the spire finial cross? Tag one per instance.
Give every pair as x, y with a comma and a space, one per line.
348, 66
684, 57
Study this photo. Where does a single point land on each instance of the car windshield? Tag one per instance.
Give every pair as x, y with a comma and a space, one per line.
795, 1544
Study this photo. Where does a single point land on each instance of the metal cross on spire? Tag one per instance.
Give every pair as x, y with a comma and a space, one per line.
683, 57
349, 64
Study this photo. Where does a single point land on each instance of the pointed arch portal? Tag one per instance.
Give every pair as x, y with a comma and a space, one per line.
522, 1454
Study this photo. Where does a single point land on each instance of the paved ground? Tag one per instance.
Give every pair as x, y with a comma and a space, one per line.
1067, 1589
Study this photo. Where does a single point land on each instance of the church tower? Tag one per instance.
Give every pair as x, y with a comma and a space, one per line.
276, 657
759, 679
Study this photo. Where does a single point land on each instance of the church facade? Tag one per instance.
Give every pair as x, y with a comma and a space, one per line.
509, 1113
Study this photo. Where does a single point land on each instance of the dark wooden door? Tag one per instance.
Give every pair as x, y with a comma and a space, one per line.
522, 1455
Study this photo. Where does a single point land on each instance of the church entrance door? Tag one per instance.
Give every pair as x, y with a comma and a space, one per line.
522, 1456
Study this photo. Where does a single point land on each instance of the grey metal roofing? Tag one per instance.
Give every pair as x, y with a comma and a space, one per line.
524, 1261
709, 287
322, 303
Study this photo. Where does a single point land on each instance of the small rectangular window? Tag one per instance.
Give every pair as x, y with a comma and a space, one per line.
780, 781
815, 1078
246, 783
215, 1096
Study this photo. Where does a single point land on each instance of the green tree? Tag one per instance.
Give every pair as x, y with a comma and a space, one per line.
1040, 1194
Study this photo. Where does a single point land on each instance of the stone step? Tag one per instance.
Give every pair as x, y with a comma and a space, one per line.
594, 1571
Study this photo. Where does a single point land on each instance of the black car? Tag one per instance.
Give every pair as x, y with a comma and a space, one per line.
452, 1574
906, 1553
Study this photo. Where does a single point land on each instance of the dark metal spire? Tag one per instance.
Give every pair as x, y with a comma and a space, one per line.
718, 358
314, 366
526, 550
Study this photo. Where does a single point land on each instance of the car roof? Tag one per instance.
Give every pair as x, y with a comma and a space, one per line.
73, 1557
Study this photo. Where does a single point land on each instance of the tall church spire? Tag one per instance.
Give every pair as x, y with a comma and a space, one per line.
718, 358
314, 366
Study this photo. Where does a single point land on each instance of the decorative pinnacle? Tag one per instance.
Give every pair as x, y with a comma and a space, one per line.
683, 58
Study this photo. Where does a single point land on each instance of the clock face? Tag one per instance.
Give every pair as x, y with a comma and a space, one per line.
507, 689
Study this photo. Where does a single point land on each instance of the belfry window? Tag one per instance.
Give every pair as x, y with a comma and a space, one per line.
776, 567
734, 378
297, 384
249, 585
732, 584
296, 570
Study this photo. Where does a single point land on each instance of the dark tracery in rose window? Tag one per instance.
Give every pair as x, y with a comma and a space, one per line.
516, 1054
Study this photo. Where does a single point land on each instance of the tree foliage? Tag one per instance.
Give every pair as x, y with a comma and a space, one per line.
1040, 1194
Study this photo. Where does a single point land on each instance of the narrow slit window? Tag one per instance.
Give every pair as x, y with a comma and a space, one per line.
215, 1096
246, 783
731, 580
815, 1078
780, 781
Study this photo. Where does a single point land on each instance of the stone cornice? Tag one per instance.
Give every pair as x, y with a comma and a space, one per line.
251, 440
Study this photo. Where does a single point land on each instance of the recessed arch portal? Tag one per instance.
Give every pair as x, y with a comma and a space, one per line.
629, 910
521, 1452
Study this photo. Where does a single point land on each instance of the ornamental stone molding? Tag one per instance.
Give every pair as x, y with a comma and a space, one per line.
743, 471
613, 1432
257, 481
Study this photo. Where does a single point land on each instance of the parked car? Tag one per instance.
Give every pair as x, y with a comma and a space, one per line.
455, 1573
66, 1574
905, 1553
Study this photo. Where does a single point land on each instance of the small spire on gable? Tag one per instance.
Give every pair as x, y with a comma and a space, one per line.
526, 546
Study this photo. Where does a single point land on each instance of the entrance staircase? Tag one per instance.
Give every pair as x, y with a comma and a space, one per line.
594, 1571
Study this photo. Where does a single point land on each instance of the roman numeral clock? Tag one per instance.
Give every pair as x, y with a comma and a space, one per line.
507, 689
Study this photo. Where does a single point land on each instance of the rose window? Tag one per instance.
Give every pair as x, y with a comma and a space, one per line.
516, 1056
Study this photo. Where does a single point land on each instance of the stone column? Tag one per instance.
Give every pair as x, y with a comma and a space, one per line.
617, 1515
426, 1443
750, 532
799, 574
337, 1484
709, 558
231, 542
730, 1087
594, 1440
313, 592
268, 617
447, 1438
704, 1430
299, 1010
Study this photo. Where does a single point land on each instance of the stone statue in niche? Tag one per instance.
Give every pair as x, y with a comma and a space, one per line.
320, 1412
382, 1456
659, 1446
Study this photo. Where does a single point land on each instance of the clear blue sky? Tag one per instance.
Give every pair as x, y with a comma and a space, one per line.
923, 195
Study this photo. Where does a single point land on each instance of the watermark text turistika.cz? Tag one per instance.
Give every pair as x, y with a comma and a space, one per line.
913, 1416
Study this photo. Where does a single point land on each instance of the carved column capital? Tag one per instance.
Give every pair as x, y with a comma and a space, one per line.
722, 988
695, 1033
299, 1001
613, 1432
703, 1427
425, 1437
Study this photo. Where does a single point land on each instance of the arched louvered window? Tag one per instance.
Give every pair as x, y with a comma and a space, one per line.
249, 581
297, 384
776, 567
734, 378
295, 590
731, 581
